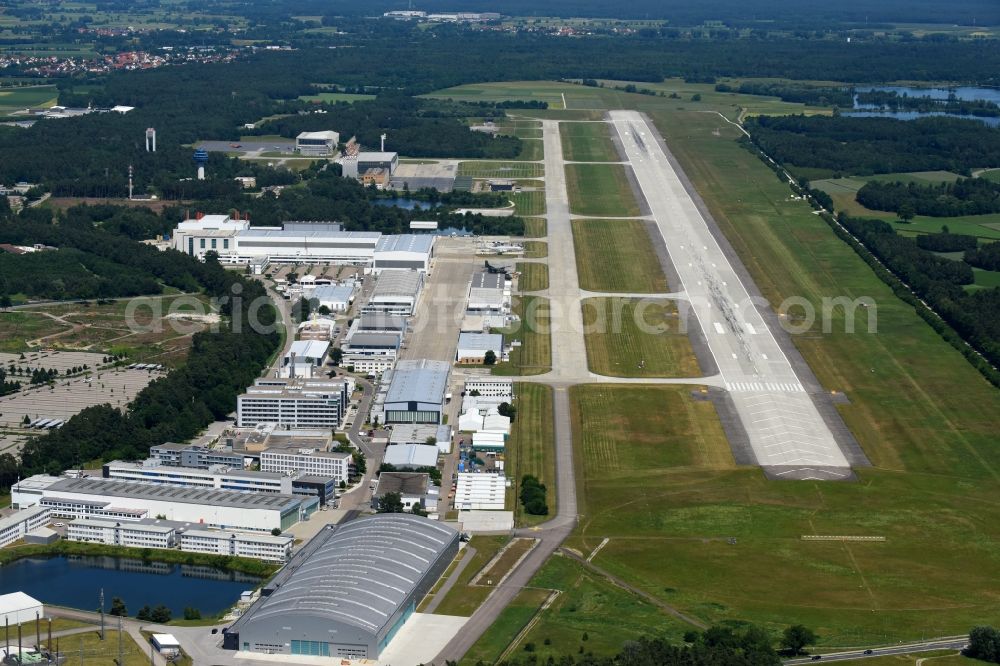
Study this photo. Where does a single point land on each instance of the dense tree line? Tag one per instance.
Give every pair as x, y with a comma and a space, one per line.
966, 196
938, 281
416, 127
866, 146
986, 257
984, 644
946, 242
791, 92
532, 496
70, 273
716, 646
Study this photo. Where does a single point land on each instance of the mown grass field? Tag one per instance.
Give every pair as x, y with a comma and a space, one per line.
88, 648
531, 448
534, 277
532, 150
616, 255
534, 356
587, 142
481, 169
637, 338
536, 249
535, 227
528, 203
658, 480
600, 190
512, 620
992, 175
18, 99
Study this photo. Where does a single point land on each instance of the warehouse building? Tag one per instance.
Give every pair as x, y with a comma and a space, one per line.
473, 347
480, 492
317, 144
488, 441
19, 608
416, 392
28, 492
293, 403
377, 322
371, 353
352, 593
413, 488
354, 166
304, 359
406, 251
489, 294
215, 477
334, 297
414, 433
410, 456
396, 293
223, 509
15, 526
307, 461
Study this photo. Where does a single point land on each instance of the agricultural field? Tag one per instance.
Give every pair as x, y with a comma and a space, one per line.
534, 276
616, 255
844, 190
600, 190
480, 169
534, 356
19, 99
531, 448
637, 338
587, 142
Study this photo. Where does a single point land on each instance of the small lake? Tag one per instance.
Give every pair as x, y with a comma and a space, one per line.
967, 93
76, 582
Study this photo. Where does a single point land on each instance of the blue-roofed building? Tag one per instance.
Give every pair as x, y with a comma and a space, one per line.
417, 392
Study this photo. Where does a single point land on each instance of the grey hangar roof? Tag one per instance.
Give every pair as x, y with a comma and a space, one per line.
163, 493
362, 573
418, 380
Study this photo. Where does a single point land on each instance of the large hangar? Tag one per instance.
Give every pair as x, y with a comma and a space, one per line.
350, 594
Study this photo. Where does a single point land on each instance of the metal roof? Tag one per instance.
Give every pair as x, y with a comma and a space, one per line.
181, 495
271, 232
405, 243
361, 574
421, 380
378, 340
377, 156
484, 280
480, 342
397, 282
334, 292
411, 455
306, 349
21, 516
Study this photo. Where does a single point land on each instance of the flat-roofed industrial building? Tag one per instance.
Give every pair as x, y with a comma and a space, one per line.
416, 392
352, 592
396, 292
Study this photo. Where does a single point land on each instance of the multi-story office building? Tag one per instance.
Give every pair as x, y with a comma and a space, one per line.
132, 534
216, 477
194, 455
16, 525
294, 403
306, 461
257, 546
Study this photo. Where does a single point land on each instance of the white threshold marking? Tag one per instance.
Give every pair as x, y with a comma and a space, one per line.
718, 328
750, 329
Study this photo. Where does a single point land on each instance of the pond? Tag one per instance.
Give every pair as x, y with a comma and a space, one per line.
404, 203
967, 93
76, 582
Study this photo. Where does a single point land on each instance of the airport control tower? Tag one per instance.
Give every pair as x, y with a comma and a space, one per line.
201, 159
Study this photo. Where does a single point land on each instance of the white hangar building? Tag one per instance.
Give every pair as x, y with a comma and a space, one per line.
351, 594
404, 251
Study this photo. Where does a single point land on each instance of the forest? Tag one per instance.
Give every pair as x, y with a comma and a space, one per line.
864, 146
798, 93
986, 257
966, 196
946, 241
70, 273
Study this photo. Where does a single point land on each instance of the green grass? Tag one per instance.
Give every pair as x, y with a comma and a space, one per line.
637, 338
616, 255
332, 97
600, 190
992, 175
844, 190
503, 631
587, 142
534, 356
19, 326
535, 227
479, 169
536, 249
18, 99
88, 648
534, 277
531, 448
528, 203
463, 599
532, 150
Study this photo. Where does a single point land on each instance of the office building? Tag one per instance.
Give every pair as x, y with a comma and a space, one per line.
15, 526
307, 461
219, 542
194, 455
293, 403
215, 477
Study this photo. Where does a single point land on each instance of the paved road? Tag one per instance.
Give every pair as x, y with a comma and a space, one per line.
957, 643
783, 425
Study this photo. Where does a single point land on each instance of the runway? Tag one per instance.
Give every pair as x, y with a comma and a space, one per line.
785, 429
